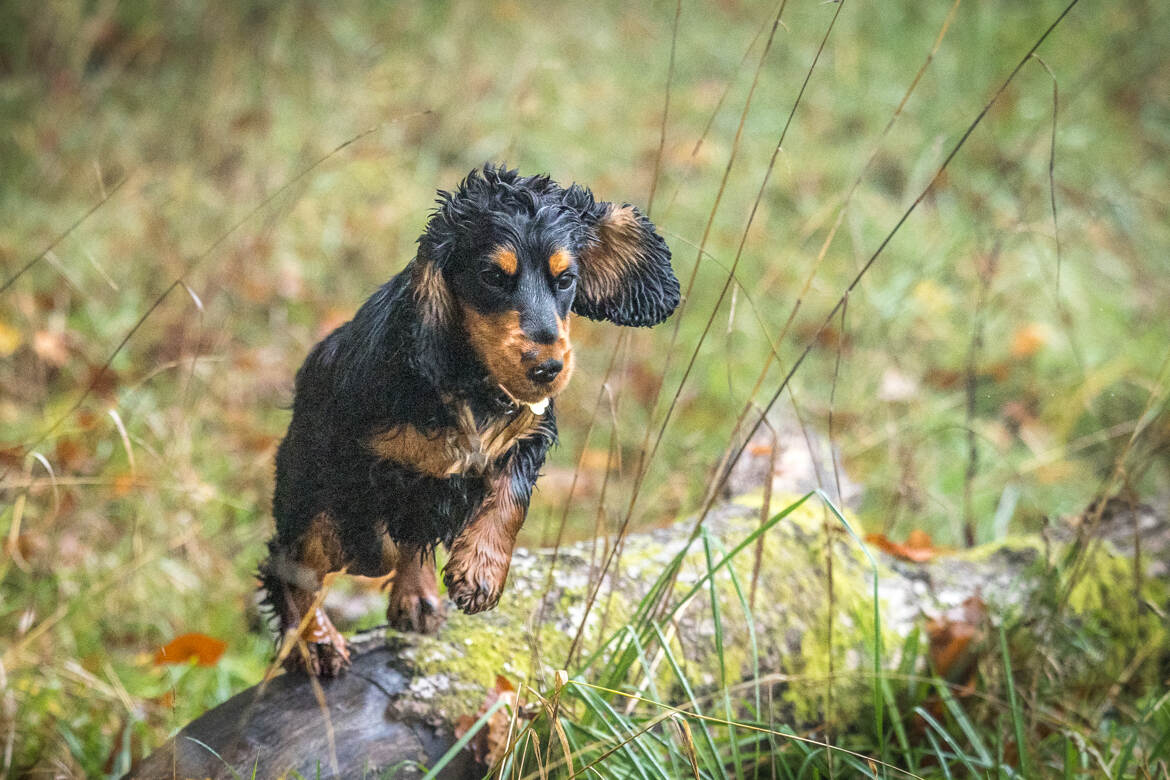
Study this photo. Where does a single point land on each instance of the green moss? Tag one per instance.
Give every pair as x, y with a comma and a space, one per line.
793, 579
1103, 600
455, 668
1009, 544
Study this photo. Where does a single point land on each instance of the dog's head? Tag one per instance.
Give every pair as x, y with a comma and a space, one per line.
506, 258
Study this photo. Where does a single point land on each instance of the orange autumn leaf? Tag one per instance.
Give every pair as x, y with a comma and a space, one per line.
72, 454
919, 547
491, 742
919, 540
123, 484
1029, 340
204, 649
955, 637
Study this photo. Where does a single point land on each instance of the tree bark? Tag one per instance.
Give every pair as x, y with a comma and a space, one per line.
399, 704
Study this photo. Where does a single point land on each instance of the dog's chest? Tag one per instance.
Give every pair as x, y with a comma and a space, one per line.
464, 448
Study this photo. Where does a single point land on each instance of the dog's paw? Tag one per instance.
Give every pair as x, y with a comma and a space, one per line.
321, 650
420, 612
318, 659
474, 590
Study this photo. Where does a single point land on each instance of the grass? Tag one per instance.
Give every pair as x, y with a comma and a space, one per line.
610, 716
969, 393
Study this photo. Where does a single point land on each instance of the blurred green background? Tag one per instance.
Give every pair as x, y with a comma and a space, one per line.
142, 514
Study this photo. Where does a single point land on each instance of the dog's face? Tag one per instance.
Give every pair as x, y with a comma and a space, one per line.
514, 296
506, 259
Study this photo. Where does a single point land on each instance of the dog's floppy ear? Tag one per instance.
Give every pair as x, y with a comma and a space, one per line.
625, 273
434, 308
434, 311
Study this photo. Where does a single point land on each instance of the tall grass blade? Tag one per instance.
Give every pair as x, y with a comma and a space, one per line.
717, 618
878, 669
960, 717
708, 740
1013, 701
956, 751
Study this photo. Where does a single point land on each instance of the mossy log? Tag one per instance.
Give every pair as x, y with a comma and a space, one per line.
399, 703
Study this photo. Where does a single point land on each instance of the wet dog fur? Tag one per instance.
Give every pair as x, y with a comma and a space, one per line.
426, 418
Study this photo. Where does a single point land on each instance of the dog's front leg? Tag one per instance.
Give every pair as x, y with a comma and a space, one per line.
414, 599
292, 577
480, 556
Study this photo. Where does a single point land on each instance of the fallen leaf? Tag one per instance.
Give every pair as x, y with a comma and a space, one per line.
955, 639
204, 649
123, 484
919, 540
72, 454
103, 381
490, 742
1029, 340
919, 547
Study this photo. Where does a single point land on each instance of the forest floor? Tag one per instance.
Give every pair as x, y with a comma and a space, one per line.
190, 200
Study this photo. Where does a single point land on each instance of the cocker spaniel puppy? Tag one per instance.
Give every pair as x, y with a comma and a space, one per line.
426, 418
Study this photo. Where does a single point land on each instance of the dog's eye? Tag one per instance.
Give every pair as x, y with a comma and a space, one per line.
493, 276
565, 281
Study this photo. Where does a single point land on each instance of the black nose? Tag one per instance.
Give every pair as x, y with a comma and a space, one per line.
546, 371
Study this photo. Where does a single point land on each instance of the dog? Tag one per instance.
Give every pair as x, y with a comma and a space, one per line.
426, 418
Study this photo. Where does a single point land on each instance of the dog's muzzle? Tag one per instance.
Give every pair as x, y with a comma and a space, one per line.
545, 372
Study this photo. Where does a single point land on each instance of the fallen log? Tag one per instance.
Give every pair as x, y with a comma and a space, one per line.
399, 705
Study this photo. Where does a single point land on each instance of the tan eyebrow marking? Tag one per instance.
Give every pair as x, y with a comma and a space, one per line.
559, 262
505, 258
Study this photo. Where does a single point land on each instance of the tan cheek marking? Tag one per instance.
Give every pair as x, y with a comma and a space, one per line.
506, 259
559, 262
499, 342
565, 347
